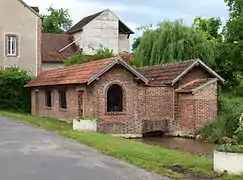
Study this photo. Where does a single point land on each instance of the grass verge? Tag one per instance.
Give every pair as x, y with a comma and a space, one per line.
170, 163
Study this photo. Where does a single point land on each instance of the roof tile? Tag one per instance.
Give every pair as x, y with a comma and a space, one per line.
165, 74
76, 74
53, 43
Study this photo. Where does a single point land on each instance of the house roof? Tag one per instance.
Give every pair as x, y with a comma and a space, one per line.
164, 74
169, 74
53, 43
80, 74
79, 26
194, 85
33, 10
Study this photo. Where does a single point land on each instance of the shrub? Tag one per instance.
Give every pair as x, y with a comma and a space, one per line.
102, 53
12, 94
76, 59
230, 148
230, 110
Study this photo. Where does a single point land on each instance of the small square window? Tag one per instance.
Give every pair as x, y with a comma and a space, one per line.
48, 99
62, 99
11, 45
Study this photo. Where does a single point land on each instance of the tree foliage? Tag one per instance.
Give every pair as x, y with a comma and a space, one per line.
211, 26
233, 41
76, 59
135, 44
13, 95
56, 21
80, 58
173, 41
102, 53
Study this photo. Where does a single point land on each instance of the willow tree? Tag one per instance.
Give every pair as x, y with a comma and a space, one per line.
173, 41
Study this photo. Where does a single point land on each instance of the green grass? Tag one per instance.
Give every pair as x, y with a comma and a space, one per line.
152, 158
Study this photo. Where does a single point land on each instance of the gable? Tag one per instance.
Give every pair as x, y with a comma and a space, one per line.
195, 73
123, 28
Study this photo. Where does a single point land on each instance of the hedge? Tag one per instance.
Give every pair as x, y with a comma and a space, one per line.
13, 96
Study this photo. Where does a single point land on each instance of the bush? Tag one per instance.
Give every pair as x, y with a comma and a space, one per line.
230, 148
230, 110
13, 95
102, 53
76, 59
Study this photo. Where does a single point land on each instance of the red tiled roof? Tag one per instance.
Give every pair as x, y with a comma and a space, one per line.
53, 43
165, 74
76, 74
192, 85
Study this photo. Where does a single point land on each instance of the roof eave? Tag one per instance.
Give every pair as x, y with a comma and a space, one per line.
76, 31
32, 10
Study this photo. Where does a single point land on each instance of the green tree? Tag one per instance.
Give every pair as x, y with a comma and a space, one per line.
231, 52
234, 26
135, 44
173, 41
136, 41
56, 21
76, 59
102, 53
211, 26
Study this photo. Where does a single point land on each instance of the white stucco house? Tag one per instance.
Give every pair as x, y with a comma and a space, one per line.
102, 29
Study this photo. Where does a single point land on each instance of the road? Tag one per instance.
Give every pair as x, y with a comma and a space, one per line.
29, 153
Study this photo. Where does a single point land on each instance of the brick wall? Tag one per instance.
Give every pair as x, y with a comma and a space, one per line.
206, 105
197, 109
39, 108
185, 105
140, 103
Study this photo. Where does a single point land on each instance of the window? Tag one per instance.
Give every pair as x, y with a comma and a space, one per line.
62, 99
48, 99
11, 45
114, 99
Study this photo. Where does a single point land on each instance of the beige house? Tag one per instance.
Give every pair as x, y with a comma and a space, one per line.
102, 29
20, 36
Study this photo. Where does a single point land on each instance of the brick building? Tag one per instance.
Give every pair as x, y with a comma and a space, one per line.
180, 96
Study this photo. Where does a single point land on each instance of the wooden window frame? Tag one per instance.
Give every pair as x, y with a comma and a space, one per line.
12, 51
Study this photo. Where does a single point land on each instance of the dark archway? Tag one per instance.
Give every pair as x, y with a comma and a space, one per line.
115, 99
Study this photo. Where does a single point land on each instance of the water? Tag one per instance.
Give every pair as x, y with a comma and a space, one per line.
181, 144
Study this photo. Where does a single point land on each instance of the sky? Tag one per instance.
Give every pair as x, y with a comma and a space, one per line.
140, 12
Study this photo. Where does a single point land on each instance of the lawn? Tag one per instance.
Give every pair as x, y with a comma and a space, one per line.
171, 163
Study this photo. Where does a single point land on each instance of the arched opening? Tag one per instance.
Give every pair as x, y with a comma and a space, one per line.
115, 99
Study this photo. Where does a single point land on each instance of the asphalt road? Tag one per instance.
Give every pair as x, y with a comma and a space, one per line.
28, 153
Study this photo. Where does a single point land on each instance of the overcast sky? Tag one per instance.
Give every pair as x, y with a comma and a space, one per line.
140, 12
